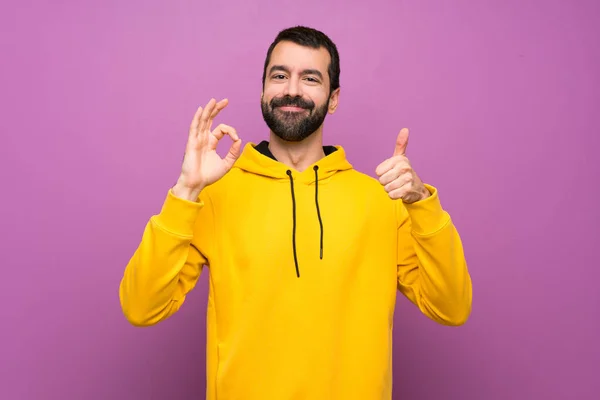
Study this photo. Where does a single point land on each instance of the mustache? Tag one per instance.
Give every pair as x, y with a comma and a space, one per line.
292, 102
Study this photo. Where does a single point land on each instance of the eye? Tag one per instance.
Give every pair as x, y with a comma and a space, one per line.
311, 79
279, 76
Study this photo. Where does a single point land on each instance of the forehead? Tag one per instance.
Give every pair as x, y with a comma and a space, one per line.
298, 58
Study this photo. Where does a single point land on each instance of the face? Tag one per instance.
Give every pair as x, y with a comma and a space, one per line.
296, 98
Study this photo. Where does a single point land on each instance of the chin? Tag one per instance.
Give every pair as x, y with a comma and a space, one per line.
293, 138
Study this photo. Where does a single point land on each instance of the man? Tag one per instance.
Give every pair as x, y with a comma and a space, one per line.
306, 254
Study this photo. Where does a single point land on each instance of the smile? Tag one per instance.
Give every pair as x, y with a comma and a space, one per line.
291, 108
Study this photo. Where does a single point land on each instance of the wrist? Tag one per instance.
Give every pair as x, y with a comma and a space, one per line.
185, 192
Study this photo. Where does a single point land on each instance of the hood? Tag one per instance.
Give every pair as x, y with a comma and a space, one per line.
259, 160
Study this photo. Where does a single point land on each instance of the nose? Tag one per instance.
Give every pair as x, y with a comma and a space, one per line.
293, 87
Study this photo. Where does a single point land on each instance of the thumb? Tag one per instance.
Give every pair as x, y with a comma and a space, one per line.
234, 153
401, 142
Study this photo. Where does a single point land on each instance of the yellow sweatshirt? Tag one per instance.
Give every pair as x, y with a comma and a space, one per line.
304, 272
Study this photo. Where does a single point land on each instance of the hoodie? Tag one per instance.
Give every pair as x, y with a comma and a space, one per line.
304, 268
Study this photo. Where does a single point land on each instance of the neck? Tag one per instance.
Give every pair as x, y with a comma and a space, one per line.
298, 155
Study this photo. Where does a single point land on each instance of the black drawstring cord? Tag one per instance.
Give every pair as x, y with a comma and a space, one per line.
316, 168
289, 173
294, 229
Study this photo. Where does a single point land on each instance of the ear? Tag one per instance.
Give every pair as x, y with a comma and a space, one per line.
333, 101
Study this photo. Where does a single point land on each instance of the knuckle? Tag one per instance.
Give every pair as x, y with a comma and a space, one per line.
392, 186
400, 168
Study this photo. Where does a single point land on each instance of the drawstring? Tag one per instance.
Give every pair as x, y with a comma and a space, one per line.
289, 173
316, 168
294, 228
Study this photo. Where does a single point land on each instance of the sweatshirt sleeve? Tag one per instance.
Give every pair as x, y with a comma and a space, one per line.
168, 261
432, 270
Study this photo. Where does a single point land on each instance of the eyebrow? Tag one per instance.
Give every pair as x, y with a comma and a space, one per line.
304, 72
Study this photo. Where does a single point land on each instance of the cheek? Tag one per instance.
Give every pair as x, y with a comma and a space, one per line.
270, 92
318, 96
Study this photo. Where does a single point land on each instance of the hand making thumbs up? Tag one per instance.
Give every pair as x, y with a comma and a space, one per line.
398, 177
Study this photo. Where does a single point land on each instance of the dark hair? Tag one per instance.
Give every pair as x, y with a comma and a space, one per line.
315, 39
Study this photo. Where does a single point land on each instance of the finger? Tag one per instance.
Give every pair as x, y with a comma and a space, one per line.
398, 183
220, 131
384, 167
389, 176
396, 172
195, 122
234, 153
204, 126
218, 107
399, 193
401, 142
391, 163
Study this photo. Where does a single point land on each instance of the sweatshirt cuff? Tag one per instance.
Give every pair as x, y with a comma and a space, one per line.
178, 216
427, 215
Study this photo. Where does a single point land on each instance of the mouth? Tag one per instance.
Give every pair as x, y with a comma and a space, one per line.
291, 108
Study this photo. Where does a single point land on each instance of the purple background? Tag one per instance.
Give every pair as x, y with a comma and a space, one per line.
502, 100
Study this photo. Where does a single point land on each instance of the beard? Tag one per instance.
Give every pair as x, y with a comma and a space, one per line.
293, 126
